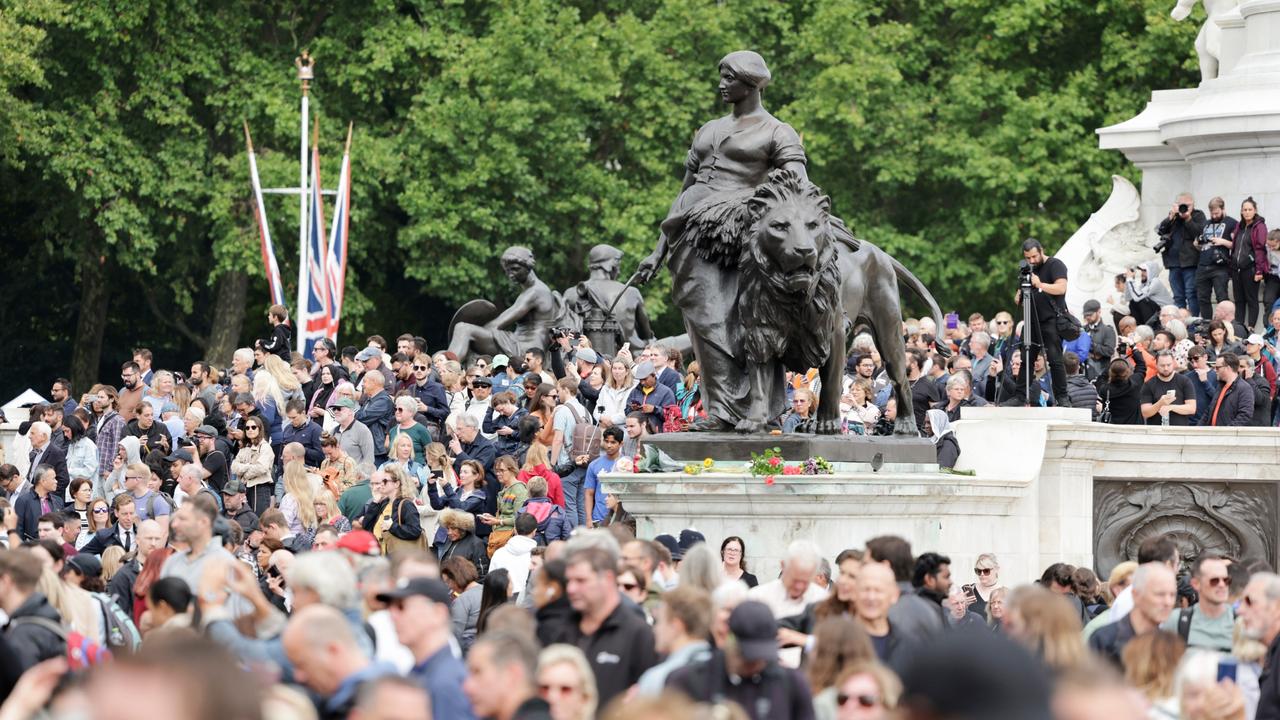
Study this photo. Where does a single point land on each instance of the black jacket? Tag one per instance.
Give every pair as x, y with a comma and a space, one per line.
483, 451
1261, 401
121, 586
619, 651
56, 458
1237, 405
33, 642
555, 621
1181, 250
279, 341
1124, 399
1269, 685
109, 537
470, 547
1109, 640
406, 523
948, 450
778, 693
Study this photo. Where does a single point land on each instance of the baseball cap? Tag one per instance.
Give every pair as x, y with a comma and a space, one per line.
1255, 339
500, 361
233, 487
483, 381
85, 564
368, 354
430, 588
1092, 306
206, 430
360, 542
180, 454
644, 370
347, 403
671, 545
754, 631
588, 355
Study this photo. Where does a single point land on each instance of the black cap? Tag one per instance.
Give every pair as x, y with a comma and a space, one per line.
85, 564
1009, 683
1092, 306
483, 381
755, 632
180, 454
671, 545
690, 537
430, 588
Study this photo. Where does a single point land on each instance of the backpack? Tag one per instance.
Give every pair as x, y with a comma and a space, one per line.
122, 634
544, 513
82, 653
586, 436
151, 504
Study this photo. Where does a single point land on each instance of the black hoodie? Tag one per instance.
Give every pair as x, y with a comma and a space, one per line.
32, 641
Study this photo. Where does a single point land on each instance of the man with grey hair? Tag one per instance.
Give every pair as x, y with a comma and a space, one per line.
45, 452
242, 362
1178, 252
354, 437
191, 483
1260, 611
979, 353
466, 443
377, 413
328, 659
1155, 590
794, 589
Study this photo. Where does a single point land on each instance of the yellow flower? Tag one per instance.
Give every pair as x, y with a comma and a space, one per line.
708, 463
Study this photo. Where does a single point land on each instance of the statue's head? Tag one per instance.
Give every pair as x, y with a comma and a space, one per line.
606, 258
517, 262
747, 66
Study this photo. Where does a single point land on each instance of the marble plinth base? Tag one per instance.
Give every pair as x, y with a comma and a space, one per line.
691, 447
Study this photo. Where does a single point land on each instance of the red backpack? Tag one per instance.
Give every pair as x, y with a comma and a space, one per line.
82, 653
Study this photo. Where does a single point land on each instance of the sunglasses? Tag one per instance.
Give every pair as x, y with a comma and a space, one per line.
1002, 322
629, 587
421, 367
982, 571
866, 701
1216, 581
134, 477
100, 511
557, 689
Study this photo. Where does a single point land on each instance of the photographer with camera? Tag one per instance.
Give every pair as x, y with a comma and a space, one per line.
1214, 269
1179, 252
1047, 279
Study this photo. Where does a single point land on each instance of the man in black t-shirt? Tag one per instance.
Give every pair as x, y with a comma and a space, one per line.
924, 393
1048, 298
213, 460
1168, 394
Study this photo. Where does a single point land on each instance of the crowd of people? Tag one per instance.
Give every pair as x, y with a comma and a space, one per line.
381, 527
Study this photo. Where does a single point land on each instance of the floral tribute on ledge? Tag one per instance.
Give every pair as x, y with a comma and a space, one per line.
768, 464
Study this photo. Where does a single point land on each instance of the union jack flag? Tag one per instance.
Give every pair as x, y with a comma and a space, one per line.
336, 258
315, 320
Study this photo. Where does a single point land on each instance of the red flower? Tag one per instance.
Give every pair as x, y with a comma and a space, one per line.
768, 479
775, 461
791, 470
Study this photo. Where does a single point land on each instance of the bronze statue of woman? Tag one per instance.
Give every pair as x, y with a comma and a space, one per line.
703, 231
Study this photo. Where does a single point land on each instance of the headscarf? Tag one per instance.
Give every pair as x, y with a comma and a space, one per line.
939, 423
749, 67
324, 392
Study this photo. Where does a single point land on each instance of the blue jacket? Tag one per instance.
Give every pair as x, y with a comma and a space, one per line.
309, 437
508, 444
28, 508
552, 524
483, 451
432, 395
660, 398
1080, 346
377, 414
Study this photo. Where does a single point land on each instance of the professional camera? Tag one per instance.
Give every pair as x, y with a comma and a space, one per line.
1183, 207
561, 332
1024, 271
1160, 246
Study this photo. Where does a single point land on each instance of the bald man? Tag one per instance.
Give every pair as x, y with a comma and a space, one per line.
326, 658
876, 592
1155, 591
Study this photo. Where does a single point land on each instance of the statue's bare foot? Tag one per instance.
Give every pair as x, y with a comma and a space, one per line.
906, 426
749, 426
827, 427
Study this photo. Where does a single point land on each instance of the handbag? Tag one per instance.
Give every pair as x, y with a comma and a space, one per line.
390, 543
1068, 327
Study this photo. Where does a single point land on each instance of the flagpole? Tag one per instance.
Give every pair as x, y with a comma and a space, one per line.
306, 74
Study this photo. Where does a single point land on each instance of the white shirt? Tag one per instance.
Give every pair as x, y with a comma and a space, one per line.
774, 594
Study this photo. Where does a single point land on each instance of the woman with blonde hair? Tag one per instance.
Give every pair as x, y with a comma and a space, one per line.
1046, 624
253, 464
112, 561
327, 513
80, 611
537, 463
454, 392
391, 514
402, 456
566, 682
282, 373
701, 568
298, 504
866, 690
611, 405
1150, 665
269, 399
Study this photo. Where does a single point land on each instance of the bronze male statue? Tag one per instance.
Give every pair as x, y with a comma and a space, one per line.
609, 313
527, 323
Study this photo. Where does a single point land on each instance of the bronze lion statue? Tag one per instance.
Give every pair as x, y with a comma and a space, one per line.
804, 289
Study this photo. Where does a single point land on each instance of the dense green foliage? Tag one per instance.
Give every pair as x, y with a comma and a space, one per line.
944, 130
